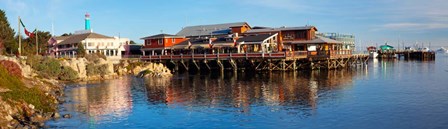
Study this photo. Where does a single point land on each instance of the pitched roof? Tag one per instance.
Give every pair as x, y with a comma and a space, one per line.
280, 29
255, 38
79, 37
61, 37
215, 29
316, 40
159, 36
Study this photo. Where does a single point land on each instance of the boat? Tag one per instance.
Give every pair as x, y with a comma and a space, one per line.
442, 50
425, 49
373, 53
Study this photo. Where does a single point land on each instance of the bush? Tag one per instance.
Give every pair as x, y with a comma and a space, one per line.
12, 67
68, 74
93, 69
48, 68
21, 93
95, 56
33, 60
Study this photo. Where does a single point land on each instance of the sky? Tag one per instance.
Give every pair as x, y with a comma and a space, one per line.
371, 21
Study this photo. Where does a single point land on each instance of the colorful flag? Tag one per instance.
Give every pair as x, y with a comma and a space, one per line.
234, 43
210, 43
52, 41
28, 33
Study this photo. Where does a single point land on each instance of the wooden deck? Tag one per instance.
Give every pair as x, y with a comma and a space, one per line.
228, 56
280, 61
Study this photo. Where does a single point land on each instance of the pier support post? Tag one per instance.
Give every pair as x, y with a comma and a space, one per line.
183, 64
221, 67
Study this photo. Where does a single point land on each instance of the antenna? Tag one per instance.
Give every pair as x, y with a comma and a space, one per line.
52, 28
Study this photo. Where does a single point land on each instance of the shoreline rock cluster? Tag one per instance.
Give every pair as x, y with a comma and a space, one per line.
20, 114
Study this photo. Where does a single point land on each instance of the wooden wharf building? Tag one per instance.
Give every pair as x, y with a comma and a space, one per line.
239, 46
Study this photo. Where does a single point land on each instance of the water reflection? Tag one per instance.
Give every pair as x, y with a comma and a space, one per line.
243, 91
102, 102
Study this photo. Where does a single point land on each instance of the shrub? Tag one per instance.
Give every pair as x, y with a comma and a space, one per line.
68, 74
21, 93
33, 60
95, 56
12, 68
48, 68
93, 69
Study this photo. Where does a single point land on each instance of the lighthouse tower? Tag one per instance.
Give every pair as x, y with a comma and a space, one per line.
87, 20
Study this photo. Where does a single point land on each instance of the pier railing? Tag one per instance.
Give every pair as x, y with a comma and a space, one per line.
330, 54
278, 55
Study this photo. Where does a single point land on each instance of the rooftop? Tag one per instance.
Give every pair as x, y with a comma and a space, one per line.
265, 29
255, 38
316, 40
159, 36
214, 29
79, 37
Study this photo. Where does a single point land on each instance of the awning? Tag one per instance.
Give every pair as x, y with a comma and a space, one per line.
180, 47
150, 49
218, 45
242, 43
196, 46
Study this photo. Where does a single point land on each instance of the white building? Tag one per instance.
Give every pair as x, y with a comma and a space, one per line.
67, 46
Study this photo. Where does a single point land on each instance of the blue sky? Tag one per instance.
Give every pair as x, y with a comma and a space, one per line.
371, 21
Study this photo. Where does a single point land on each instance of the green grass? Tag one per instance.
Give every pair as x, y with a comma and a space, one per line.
19, 92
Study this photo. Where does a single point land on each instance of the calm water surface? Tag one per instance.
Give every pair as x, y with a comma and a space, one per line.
386, 94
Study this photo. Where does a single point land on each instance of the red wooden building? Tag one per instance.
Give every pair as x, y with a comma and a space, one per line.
159, 44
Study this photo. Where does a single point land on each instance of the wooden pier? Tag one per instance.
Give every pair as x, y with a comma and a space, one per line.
280, 61
407, 54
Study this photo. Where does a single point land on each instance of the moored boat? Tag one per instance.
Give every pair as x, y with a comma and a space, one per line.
373, 52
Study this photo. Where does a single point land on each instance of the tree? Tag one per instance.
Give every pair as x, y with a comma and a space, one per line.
81, 52
7, 42
132, 42
65, 34
29, 44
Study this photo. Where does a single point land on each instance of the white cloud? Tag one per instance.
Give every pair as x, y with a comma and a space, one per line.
413, 15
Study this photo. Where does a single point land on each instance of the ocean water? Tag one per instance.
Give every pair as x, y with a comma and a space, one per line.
389, 94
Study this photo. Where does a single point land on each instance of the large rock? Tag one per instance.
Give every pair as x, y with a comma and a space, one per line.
152, 70
77, 64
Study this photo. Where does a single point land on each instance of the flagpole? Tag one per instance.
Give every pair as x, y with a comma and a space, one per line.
20, 39
37, 44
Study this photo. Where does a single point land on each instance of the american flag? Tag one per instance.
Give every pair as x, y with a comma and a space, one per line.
52, 41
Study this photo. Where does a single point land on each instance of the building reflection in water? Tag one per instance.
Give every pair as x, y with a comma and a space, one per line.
111, 100
297, 91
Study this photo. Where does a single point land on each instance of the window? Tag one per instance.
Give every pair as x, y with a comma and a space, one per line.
160, 41
173, 40
90, 44
301, 35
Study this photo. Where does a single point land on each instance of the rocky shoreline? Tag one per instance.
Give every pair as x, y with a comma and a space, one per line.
20, 114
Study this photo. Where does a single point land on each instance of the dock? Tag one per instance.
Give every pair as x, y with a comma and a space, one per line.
407, 54
279, 61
